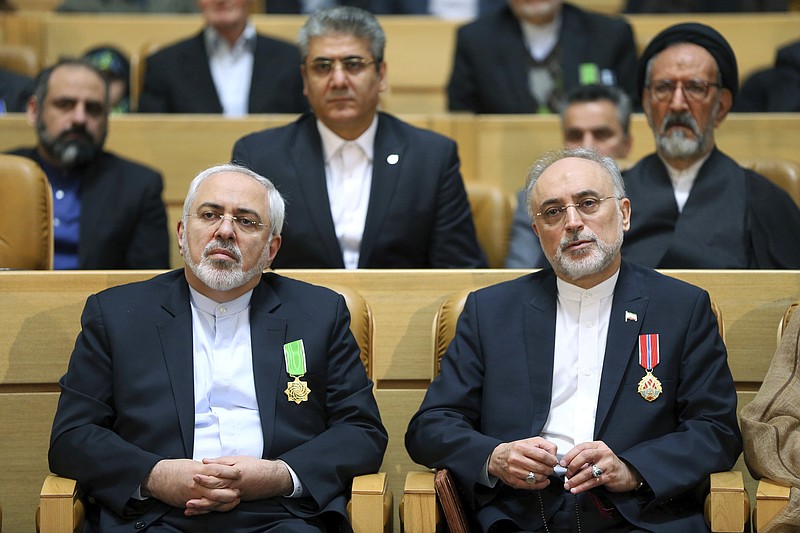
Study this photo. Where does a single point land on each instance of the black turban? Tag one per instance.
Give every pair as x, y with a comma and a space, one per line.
701, 35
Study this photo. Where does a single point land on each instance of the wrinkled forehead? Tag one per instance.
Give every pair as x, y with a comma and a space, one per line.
233, 192
571, 178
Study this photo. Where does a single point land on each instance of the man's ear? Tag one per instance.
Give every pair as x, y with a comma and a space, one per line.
725, 104
32, 110
180, 233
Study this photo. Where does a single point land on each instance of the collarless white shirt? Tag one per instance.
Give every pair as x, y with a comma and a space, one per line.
540, 39
348, 176
227, 420
232, 69
683, 180
582, 317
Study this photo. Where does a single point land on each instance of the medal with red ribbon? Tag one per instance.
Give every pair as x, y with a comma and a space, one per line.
649, 357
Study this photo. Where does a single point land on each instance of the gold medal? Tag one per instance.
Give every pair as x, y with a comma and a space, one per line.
649, 387
297, 391
295, 355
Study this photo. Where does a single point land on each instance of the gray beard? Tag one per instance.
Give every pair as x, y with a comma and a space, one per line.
590, 261
222, 275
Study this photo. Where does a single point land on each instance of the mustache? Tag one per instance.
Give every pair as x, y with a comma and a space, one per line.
680, 119
76, 131
217, 244
578, 236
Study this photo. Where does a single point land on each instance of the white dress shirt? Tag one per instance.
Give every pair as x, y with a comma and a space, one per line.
540, 39
582, 317
227, 419
232, 69
348, 175
683, 180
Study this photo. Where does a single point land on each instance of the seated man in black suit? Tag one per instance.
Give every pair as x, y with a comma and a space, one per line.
217, 397
364, 189
227, 68
591, 397
696, 207
524, 57
596, 116
107, 211
15, 89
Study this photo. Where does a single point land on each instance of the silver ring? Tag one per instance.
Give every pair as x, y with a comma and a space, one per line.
596, 471
531, 477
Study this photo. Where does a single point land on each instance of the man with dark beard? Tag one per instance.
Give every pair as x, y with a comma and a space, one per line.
107, 211
594, 396
179, 411
695, 206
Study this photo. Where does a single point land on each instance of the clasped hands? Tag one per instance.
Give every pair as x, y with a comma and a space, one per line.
511, 462
218, 484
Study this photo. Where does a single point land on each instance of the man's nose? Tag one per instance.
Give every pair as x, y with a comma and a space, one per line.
572, 217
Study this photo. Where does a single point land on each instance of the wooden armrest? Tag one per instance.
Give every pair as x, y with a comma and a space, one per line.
419, 511
60, 509
771, 498
728, 505
371, 504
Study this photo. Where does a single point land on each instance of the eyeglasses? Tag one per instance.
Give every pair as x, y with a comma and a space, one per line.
587, 207
210, 219
350, 65
695, 90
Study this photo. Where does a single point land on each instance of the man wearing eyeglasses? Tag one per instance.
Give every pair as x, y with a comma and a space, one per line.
227, 68
364, 189
592, 397
217, 397
695, 206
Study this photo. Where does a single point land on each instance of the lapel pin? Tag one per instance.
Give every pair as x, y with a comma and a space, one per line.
392, 159
632, 317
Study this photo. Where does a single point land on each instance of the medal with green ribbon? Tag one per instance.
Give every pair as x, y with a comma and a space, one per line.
295, 355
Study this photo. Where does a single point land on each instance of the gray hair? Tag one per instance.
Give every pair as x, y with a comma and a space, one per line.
590, 154
343, 20
41, 84
277, 207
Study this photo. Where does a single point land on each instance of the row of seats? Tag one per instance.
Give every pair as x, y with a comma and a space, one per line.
40, 312
416, 84
728, 505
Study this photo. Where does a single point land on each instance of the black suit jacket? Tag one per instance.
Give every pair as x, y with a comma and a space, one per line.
496, 381
490, 69
14, 92
733, 218
123, 222
178, 79
127, 399
418, 214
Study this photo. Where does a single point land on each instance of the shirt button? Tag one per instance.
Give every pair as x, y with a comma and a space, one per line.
56, 222
589, 324
140, 524
223, 310
59, 194
587, 372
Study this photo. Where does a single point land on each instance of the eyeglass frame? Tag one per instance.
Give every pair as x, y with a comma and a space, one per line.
563, 210
234, 219
689, 96
362, 63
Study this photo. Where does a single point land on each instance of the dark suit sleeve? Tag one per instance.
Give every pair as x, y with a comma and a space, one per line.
524, 248
149, 243
354, 440
774, 225
155, 96
444, 432
83, 444
462, 89
454, 243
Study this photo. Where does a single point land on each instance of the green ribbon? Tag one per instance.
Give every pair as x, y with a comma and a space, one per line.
295, 355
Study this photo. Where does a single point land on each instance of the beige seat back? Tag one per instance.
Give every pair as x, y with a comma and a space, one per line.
26, 227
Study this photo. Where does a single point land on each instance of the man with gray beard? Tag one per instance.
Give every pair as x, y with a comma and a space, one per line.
107, 211
218, 397
695, 206
592, 397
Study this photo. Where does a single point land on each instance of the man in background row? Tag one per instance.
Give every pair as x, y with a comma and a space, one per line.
107, 211
363, 189
695, 206
524, 57
227, 68
595, 116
